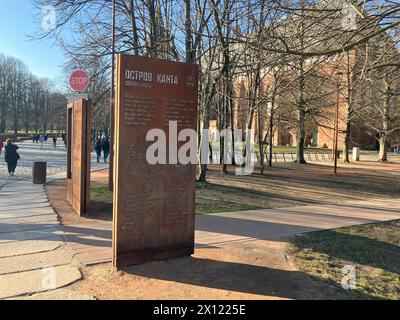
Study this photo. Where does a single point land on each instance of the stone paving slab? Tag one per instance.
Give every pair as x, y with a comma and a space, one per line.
17, 264
6, 215
38, 234
57, 295
35, 281
18, 196
29, 196
24, 200
23, 185
27, 224
24, 206
19, 248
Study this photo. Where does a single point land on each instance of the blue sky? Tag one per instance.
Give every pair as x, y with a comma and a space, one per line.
17, 19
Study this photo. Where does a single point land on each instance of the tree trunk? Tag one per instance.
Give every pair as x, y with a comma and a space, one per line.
188, 33
153, 28
134, 29
3, 122
271, 128
349, 104
206, 126
260, 141
232, 120
346, 145
382, 149
301, 138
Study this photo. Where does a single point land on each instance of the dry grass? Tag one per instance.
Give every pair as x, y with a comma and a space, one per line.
373, 249
289, 185
282, 186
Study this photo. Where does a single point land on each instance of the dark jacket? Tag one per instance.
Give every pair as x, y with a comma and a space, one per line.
98, 146
11, 154
106, 146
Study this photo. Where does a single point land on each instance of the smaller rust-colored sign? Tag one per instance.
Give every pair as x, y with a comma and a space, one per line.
78, 156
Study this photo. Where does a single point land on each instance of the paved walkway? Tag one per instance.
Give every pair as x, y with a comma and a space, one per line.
33, 255
273, 224
91, 241
35, 260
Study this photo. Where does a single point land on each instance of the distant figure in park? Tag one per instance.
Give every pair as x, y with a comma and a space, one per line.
55, 142
1, 145
11, 156
106, 148
98, 147
46, 138
64, 138
396, 149
41, 141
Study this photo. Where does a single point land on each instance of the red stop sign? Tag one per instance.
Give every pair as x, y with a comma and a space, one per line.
79, 81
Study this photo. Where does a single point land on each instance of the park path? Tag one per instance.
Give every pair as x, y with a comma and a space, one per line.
33, 255
35, 260
219, 229
91, 242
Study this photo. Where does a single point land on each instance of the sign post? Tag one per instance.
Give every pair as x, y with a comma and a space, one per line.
79, 81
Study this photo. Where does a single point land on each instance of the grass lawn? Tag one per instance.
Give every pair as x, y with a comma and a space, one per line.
373, 249
213, 198
285, 185
101, 200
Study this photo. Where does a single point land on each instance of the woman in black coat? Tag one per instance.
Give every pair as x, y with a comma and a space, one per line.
98, 148
106, 148
11, 156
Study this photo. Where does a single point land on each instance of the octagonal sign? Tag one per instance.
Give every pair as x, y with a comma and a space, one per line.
79, 81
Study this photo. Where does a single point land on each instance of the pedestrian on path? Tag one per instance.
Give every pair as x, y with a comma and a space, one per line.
64, 138
41, 141
106, 148
98, 148
1, 145
55, 142
11, 156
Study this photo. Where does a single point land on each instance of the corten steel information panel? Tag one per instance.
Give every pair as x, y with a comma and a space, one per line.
78, 156
154, 205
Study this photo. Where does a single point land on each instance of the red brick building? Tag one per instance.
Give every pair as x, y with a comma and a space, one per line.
320, 131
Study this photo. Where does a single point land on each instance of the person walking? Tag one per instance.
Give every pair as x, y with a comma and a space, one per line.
64, 139
1, 145
41, 141
11, 156
106, 148
55, 142
98, 148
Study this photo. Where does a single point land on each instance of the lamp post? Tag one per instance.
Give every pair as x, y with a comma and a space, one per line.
112, 102
339, 76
